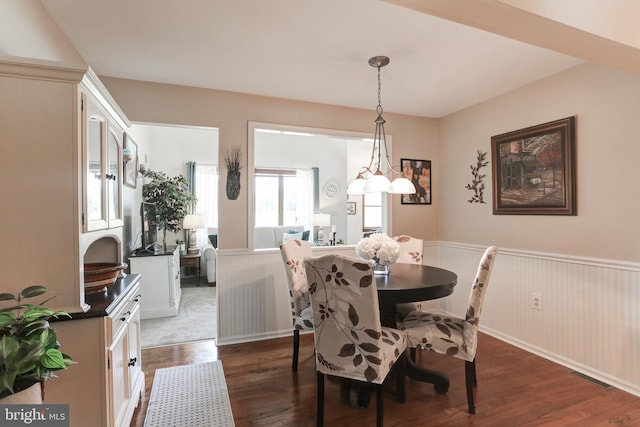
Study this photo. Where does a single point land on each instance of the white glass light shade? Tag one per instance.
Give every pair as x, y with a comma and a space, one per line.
402, 186
356, 186
377, 183
321, 220
192, 222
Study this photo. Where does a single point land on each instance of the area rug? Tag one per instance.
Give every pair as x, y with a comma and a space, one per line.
189, 396
196, 320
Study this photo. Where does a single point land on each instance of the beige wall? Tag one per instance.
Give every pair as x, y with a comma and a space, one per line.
413, 137
606, 103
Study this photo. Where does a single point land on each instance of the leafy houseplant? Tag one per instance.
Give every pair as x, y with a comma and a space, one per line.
172, 199
28, 344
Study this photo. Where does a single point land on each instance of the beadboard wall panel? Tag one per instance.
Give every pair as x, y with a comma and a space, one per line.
253, 294
590, 317
589, 320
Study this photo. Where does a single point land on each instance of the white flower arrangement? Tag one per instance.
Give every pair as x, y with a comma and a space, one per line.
378, 247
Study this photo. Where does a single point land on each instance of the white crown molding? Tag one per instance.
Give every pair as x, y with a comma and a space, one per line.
41, 69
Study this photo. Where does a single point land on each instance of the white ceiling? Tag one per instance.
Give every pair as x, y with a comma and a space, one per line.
312, 50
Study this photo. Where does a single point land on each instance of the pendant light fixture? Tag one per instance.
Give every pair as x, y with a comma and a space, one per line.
370, 180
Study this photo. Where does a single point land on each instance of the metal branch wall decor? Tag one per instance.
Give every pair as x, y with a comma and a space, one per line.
232, 161
477, 184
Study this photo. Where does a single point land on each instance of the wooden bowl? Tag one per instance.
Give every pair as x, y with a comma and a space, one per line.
99, 275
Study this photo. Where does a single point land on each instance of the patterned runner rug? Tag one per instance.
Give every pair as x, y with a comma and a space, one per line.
189, 396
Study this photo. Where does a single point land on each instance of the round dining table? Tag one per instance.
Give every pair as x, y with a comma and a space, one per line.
413, 283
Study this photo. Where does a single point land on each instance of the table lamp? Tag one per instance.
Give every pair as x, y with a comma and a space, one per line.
321, 220
193, 223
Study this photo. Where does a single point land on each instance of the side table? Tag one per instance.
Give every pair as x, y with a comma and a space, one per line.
192, 260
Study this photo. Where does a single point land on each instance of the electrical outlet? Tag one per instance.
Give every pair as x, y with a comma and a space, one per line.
536, 301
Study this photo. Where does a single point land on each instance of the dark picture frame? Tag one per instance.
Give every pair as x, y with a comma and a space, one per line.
351, 208
130, 166
419, 173
534, 171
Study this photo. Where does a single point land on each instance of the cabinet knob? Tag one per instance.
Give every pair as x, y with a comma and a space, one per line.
132, 361
137, 298
125, 315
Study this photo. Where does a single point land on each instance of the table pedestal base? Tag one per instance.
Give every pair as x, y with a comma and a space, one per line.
439, 380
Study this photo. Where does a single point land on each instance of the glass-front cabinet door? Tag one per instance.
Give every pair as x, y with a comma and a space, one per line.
114, 177
102, 166
94, 139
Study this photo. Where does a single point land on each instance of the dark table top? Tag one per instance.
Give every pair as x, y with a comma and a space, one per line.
412, 282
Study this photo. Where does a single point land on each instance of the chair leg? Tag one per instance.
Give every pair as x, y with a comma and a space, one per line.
379, 403
296, 346
472, 383
400, 379
320, 415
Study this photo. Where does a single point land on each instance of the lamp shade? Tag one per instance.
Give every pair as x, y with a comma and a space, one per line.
402, 186
192, 222
321, 220
356, 186
377, 183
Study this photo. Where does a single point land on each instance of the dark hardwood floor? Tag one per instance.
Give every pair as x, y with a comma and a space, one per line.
515, 388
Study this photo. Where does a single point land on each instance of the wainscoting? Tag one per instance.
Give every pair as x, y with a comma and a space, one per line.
590, 317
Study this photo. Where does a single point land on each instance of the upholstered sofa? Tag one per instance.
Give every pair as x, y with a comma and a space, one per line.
209, 256
272, 237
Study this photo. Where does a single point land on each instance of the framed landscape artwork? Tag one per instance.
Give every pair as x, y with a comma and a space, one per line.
419, 173
131, 166
534, 170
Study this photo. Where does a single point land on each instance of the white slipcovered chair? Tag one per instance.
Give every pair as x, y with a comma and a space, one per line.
453, 336
411, 252
349, 340
294, 252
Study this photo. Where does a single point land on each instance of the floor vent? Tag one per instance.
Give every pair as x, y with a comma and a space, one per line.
592, 380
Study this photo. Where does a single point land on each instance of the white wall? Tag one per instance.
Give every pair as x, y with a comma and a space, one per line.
27, 31
606, 104
586, 267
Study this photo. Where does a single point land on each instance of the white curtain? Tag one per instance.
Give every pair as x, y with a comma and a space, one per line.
206, 178
304, 197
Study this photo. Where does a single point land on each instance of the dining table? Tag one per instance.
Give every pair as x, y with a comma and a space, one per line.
407, 283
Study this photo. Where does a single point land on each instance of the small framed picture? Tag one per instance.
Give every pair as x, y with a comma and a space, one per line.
351, 208
130, 163
419, 173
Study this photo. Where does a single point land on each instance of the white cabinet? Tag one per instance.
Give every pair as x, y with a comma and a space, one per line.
160, 287
44, 107
105, 386
102, 141
124, 363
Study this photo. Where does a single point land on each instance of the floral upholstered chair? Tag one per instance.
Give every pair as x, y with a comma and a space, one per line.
349, 339
411, 252
454, 336
294, 252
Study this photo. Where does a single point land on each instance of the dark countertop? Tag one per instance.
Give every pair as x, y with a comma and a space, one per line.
102, 304
159, 252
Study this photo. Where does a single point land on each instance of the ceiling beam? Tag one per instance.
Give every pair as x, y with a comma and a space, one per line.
506, 20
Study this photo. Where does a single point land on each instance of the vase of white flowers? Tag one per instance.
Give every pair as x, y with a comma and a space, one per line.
381, 249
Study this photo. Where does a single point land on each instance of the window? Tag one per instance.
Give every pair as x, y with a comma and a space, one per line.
282, 197
372, 212
207, 193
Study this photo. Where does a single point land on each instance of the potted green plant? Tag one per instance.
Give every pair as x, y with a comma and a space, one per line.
172, 199
29, 347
